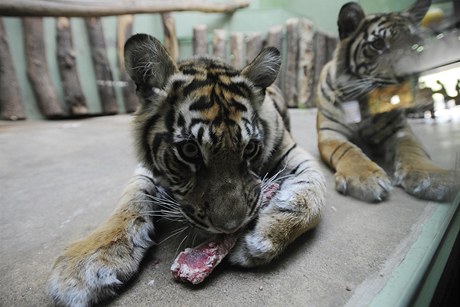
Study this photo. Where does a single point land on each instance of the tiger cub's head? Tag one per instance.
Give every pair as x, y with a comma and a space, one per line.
372, 48
198, 130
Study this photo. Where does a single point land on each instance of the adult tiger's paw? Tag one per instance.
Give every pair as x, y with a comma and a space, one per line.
365, 181
428, 183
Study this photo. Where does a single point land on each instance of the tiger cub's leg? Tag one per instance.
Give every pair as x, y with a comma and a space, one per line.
356, 174
417, 174
294, 209
90, 269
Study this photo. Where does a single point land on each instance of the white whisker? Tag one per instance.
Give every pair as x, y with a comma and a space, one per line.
180, 244
175, 233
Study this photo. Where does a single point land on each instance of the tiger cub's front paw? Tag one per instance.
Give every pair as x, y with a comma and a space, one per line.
82, 278
90, 270
366, 181
429, 183
252, 250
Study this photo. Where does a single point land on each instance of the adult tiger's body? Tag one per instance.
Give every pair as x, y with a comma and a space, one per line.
206, 135
371, 54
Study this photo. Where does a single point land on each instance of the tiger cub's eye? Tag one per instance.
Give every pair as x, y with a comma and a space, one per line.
378, 44
251, 149
189, 150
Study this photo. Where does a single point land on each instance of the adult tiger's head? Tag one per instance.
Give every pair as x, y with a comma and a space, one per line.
372, 48
198, 130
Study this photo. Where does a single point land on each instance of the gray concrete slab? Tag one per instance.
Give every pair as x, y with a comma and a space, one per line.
60, 179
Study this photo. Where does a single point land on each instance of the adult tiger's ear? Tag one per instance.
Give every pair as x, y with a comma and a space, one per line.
418, 10
148, 63
350, 17
263, 70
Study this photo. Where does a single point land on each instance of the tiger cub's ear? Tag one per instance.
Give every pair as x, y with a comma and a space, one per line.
148, 63
350, 17
263, 70
418, 10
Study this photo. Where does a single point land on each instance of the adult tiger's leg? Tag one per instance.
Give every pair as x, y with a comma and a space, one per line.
356, 174
90, 269
294, 209
417, 174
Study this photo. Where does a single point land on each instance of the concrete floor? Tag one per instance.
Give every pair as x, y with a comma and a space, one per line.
60, 179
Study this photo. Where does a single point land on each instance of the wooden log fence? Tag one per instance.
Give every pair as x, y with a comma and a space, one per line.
254, 43
11, 106
37, 69
304, 52
275, 39
74, 98
169, 30
237, 58
218, 44
104, 79
292, 56
306, 61
124, 31
200, 40
75, 8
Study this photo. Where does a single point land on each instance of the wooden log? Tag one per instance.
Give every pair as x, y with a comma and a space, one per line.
169, 30
320, 55
275, 39
101, 66
218, 44
10, 98
254, 44
292, 55
305, 75
237, 56
200, 39
73, 94
37, 69
77, 8
124, 31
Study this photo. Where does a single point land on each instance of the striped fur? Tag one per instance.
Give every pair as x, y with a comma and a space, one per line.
369, 55
209, 139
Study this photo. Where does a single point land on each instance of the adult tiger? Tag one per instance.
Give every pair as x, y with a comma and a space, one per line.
206, 135
370, 54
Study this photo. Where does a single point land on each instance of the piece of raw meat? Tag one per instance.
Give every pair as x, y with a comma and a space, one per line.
195, 264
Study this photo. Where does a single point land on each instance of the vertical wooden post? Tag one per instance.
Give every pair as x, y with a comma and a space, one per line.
101, 65
10, 95
169, 29
37, 69
124, 31
254, 44
218, 44
292, 54
320, 55
73, 94
237, 58
200, 40
306, 59
275, 39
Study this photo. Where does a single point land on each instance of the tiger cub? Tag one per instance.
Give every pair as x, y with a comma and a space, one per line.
209, 139
370, 54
